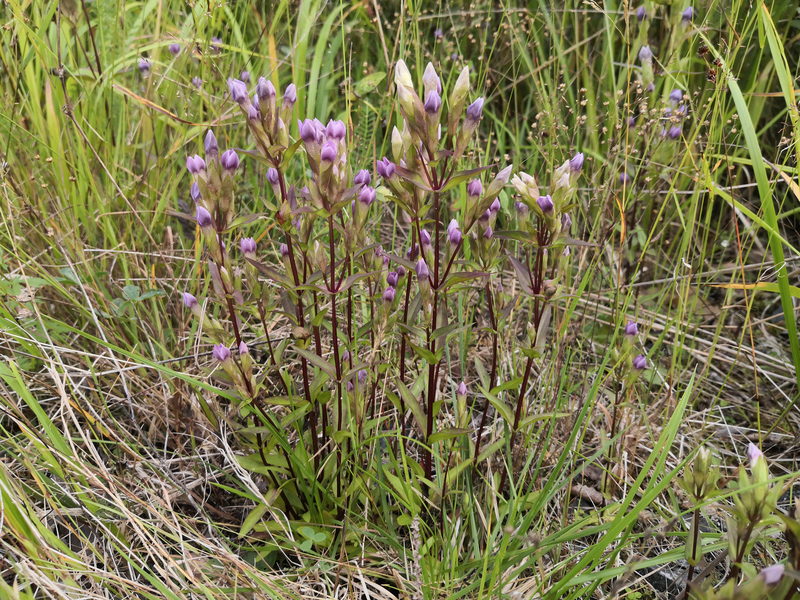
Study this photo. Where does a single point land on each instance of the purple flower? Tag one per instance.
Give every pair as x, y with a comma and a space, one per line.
576, 162
488, 233
367, 196
437, 34
772, 575
328, 153
195, 191
214, 41
753, 453
362, 177
189, 300
651, 87
645, 54
238, 90
452, 225
422, 270
272, 176
566, 222
210, 143
631, 122
385, 168
674, 132
284, 250
686, 16
265, 89
362, 376
433, 103
640, 362
308, 132
350, 387
675, 96
455, 237
546, 204
221, 352
346, 356
144, 66
401, 272
522, 209
681, 111
290, 95
566, 252
624, 178
461, 390
425, 239
631, 329
475, 188
413, 252
204, 218
197, 82
336, 130
475, 110
253, 113
641, 14
195, 164
229, 160
175, 49
495, 207
388, 295
245, 76
248, 246
392, 278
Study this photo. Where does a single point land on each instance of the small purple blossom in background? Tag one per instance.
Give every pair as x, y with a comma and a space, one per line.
488, 234
461, 390
290, 95
189, 300
248, 247
772, 575
631, 122
437, 34
674, 132
475, 110
144, 66
645, 54
245, 76
238, 90
350, 387
214, 44
675, 96
433, 103
362, 178
495, 206
474, 188
229, 160
566, 222
221, 352
197, 82
284, 250
346, 356
753, 453
576, 163
175, 49
388, 295
272, 176
624, 178
641, 14
640, 362
455, 237
632, 329
522, 209
412, 252
362, 376
392, 279
686, 16
195, 192
546, 204
651, 87
243, 349
422, 270
425, 239
204, 219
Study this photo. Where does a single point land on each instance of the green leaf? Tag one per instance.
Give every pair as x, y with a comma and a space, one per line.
523, 275
461, 176
500, 406
448, 434
318, 361
456, 278
411, 402
252, 518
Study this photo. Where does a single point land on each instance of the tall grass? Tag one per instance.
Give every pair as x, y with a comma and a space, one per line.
123, 468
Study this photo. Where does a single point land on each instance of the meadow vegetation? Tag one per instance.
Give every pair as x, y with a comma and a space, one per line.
399, 300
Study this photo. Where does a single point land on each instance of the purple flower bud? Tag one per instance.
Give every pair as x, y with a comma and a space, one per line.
433, 103
772, 575
425, 238
253, 114
566, 252
422, 270
385, 168
645, 54
452, 225
641, 14
189, 300
455, 237
195, 192
362, 376
576, 163
144, 66
204, 218
495, 207
290, 95
651, 87
243, 349
284, 250
265, 89
367, 196
362, 177
210, 143
392, 278
199, 165
238, 90
687, 15
674, 132
522, 209
401, 272
346, 356
681, 111
229, 160
667, 113
631, 329
272, 176
413, 252
308, 133
437, 34
488, 233
245, 76
640, 362
475, 110
484, 218
624, 178
214, 41
336, 130
753, 454
461, 390
350, 387
388, 295
328, 152
475, 188
546, 204
221, 353
566, 222
197, 82
675, 96
248, 246
631, 122
175, 49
